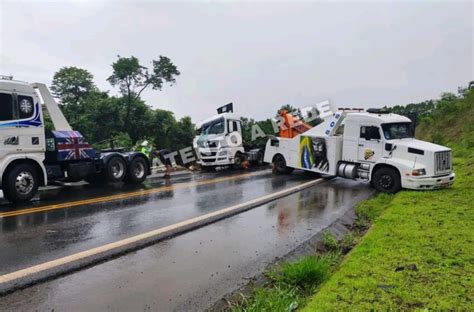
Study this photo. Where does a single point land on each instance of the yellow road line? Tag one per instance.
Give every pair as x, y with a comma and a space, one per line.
125, 195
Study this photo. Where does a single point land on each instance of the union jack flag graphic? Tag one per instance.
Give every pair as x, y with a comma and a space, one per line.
71, 145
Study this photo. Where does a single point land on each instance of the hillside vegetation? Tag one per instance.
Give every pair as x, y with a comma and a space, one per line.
451, 123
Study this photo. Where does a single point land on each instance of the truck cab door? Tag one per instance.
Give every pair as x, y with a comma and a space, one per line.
370, 147
21, 129
234, 131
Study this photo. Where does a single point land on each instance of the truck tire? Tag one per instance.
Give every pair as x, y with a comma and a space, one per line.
115, 170
279, 165
136, 172
386, 180
238, 161
21, 183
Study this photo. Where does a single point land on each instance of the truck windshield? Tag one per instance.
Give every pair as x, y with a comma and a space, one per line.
399, 130
213, 127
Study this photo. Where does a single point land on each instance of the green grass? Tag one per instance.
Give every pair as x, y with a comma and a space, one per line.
330, 242
289, 284
304, 274
269, 299
419, 253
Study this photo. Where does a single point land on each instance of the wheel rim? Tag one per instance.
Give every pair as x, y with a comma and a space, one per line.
139, 170
386, 181
118, 169
25, 182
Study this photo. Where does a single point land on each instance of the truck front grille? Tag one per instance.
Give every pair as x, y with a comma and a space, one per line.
208, 160
442, 162
208, 153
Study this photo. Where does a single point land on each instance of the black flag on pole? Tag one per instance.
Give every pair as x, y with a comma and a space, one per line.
228, 108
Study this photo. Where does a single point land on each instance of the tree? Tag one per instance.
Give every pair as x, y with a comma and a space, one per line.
74, 87
102, 120
290, 109
133, 78
70, 84
182, 133
248, 125
163, 124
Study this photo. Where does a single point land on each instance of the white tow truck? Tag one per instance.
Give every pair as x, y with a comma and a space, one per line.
31, 156
219, 142
374, 146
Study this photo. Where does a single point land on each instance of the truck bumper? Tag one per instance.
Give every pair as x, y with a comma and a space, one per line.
429, 183
216, 161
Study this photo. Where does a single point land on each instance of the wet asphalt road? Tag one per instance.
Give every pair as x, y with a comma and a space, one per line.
30, 239
188, 272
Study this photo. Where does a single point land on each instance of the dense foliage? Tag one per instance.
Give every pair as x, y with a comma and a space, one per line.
125, 120
424, 111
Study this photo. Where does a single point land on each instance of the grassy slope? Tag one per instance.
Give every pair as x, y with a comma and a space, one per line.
432, 230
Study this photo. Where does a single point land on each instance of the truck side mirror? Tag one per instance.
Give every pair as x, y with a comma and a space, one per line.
388, 147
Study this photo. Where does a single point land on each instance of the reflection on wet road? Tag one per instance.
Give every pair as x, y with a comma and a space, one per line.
193, 270
31, 239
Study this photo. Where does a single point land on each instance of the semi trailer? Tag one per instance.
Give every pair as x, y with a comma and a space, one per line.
31, 156
373, 145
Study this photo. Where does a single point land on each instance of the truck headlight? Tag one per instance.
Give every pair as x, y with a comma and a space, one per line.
418, 172
223, 153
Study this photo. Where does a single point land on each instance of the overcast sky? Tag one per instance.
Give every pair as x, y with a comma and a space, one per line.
258, 55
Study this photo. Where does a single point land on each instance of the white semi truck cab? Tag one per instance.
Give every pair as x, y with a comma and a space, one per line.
31, 156
219, 141
375, 146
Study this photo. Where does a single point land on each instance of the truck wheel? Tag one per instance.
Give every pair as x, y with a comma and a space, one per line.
279, 165
21, 183
238, 161
115, 170
137, 171
386, 180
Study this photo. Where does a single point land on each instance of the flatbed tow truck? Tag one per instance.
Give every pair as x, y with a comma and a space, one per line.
375, 146
31, 156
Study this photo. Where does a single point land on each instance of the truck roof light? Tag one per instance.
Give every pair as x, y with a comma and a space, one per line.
350, 109
5, 77
378, 111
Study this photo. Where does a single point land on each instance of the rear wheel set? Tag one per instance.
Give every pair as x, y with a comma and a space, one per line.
137, 170
116, 171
